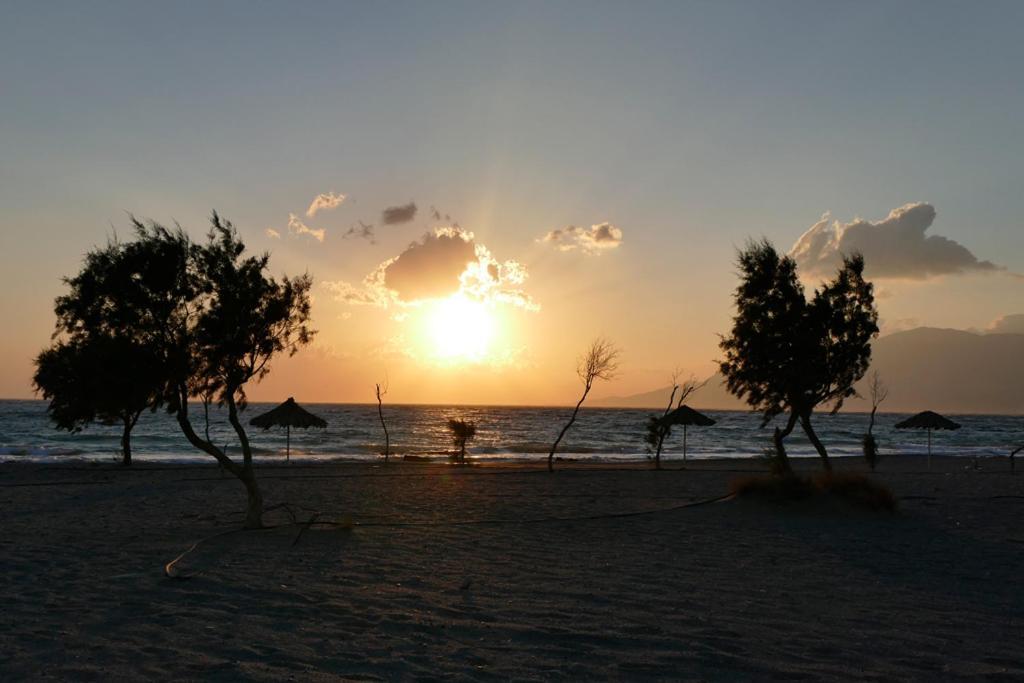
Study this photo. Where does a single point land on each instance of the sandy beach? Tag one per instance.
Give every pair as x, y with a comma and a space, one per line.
506, 573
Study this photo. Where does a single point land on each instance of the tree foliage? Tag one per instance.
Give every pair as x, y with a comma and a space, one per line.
462, 432
789, 354
97, 370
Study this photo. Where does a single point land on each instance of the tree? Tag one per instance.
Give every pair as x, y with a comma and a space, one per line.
212, 318
601, 361
879, 392
657, 430
96, 378
462, 432
380, 414
788, 354
96, 370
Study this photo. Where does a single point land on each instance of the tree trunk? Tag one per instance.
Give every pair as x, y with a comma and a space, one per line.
780, 448
245, 473
805, 421
551, 455
657, 451
871, 421
254, 514
663, 431
387, 437
126, 441
254, 509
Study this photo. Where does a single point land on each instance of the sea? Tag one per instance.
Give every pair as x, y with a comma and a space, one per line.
502, 434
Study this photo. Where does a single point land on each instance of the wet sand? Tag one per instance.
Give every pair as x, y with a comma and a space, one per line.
437, 572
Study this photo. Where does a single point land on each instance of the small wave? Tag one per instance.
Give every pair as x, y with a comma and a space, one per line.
39, 451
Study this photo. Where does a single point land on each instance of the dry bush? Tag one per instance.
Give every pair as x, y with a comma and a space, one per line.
773, 489
856, 490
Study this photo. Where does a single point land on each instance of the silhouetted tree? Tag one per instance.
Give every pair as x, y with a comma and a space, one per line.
879, 392
462, 432
786, 354
380, 414
601, 361
211, 316
657, 429
95, 378
97, 370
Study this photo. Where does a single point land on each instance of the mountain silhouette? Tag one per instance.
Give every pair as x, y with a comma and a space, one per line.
945, 370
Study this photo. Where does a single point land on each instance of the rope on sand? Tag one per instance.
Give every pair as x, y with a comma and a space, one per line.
171, 570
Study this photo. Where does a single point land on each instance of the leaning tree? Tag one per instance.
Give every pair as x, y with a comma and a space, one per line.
789, 354
238, 319
657, 428
601, 361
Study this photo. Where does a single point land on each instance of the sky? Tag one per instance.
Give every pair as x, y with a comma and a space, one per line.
479, 189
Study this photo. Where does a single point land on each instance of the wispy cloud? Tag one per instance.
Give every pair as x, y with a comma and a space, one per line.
298, 228
272, 234
1007, 324
593, 240
398, 214
324, 202
895, 247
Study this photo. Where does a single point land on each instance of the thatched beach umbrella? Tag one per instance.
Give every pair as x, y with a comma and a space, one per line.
929, 421
289, 414
686, 416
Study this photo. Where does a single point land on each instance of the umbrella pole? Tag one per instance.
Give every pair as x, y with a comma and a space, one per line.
684, 443
288, 443
929, 449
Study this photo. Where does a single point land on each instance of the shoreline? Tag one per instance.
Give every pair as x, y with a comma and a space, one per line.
889, 463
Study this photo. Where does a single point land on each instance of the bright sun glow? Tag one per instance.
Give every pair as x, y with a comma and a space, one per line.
460, 328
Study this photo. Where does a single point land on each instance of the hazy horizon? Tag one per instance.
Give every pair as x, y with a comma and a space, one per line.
478, 191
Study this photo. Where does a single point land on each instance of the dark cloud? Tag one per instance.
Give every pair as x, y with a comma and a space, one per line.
895, 247
398, 214
361, 230
431, 267
443, 262
446, 219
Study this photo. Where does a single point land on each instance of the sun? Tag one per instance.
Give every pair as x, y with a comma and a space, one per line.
460, 328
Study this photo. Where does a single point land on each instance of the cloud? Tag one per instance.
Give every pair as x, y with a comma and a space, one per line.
438, 217
398, 214
361, 230
895, 247
1007, 324
431, 267
272, 234
298, 228
595, 240
324, 202
443, 262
